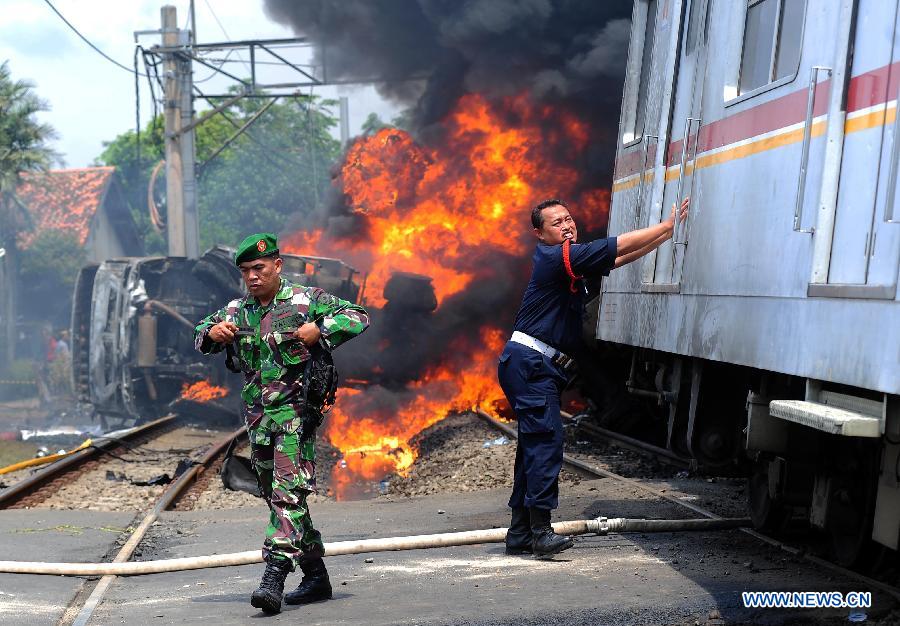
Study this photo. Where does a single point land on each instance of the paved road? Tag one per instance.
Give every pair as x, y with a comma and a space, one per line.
653, 579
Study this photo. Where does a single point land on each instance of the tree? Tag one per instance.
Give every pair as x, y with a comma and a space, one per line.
23, 147
275, 171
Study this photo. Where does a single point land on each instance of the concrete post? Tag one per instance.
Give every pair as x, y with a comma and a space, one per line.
182, 224
345, 121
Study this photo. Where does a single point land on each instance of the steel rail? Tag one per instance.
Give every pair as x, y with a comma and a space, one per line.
663, 455
165, 501
103, 443
797, 552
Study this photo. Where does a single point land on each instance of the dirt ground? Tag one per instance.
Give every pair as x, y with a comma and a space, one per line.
462, 453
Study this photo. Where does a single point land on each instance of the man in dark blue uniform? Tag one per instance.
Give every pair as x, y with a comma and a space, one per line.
536, 362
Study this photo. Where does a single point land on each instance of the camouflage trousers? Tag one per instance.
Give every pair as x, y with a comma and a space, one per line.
286, 471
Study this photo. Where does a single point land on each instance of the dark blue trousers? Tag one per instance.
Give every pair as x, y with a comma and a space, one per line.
533, 384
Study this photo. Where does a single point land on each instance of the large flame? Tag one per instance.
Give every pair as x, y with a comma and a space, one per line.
202, 391
445, 210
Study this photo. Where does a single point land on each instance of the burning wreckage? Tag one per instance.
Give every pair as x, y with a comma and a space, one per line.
133, 318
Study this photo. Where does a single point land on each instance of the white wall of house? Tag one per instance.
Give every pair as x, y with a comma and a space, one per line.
102, 243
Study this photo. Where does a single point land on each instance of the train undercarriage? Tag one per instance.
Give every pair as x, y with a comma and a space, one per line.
728, 419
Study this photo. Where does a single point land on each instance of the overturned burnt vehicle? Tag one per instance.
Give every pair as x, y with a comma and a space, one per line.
132, 331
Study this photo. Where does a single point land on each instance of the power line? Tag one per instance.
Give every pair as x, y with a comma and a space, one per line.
87, 41
224, 32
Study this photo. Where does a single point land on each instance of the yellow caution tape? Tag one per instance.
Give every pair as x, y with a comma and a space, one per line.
44, 459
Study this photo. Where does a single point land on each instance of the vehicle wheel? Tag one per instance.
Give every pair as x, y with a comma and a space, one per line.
851, 512
766, 513
714, 447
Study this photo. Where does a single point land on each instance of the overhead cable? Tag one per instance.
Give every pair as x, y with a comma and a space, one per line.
87, 41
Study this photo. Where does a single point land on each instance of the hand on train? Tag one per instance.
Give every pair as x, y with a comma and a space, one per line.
223, 332
682, 212
309, 333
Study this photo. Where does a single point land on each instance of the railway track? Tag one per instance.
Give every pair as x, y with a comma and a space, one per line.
201, 473
161, 437
35, 488
592, 470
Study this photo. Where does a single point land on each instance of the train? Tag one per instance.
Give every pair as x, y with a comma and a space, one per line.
766, 333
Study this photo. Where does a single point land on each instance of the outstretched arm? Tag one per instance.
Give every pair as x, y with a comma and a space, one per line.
635, 244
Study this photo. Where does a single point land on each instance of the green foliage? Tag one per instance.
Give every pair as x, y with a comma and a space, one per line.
276, 171
53, 258
23, 140
373, 124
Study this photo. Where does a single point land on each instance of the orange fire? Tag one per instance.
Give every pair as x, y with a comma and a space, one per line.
202, 391
375, 444
446, 211
436, 211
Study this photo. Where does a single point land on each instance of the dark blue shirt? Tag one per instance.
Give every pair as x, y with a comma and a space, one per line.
550, 311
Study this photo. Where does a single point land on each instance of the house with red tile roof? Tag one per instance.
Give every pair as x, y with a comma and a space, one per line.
85, 202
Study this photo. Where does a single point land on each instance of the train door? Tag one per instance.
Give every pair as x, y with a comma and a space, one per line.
866, 242
686, 111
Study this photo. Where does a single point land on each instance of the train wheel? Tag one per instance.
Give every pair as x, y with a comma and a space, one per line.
851, 511
714, 447
766, 513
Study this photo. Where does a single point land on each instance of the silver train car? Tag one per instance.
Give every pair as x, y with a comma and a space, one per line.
768, 329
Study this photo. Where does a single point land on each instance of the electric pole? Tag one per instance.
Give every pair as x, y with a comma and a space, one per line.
182, 222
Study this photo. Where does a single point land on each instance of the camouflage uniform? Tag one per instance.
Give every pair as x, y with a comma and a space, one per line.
273, 365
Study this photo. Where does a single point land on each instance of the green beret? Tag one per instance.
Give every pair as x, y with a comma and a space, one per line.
256, 246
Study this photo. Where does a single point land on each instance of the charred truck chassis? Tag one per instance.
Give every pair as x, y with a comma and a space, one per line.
132, 324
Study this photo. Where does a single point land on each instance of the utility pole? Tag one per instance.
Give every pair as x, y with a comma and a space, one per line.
345, 121
9, 273
182, 223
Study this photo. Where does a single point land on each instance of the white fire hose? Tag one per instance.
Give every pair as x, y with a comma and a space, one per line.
598, 526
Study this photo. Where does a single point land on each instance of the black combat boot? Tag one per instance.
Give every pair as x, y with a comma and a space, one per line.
546, 542
315, 585
268, 596
518, 537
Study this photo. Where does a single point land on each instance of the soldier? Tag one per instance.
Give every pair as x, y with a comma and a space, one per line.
285, 333
536, 362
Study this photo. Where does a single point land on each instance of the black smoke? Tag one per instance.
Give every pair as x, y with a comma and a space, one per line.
427, 54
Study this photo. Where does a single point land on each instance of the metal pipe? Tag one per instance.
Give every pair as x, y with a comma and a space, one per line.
804, 150
681, 174
598, 526
165, 308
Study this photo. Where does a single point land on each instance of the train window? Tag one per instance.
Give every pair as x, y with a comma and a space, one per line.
772, 32
788, 54
635, 108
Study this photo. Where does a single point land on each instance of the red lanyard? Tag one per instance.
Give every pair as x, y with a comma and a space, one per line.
567, 263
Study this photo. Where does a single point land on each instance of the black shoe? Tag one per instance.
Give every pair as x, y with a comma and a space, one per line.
545, 542
268, 596
315, 585
518, 537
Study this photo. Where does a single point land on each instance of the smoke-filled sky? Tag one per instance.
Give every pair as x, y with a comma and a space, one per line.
571, 51
564, 49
